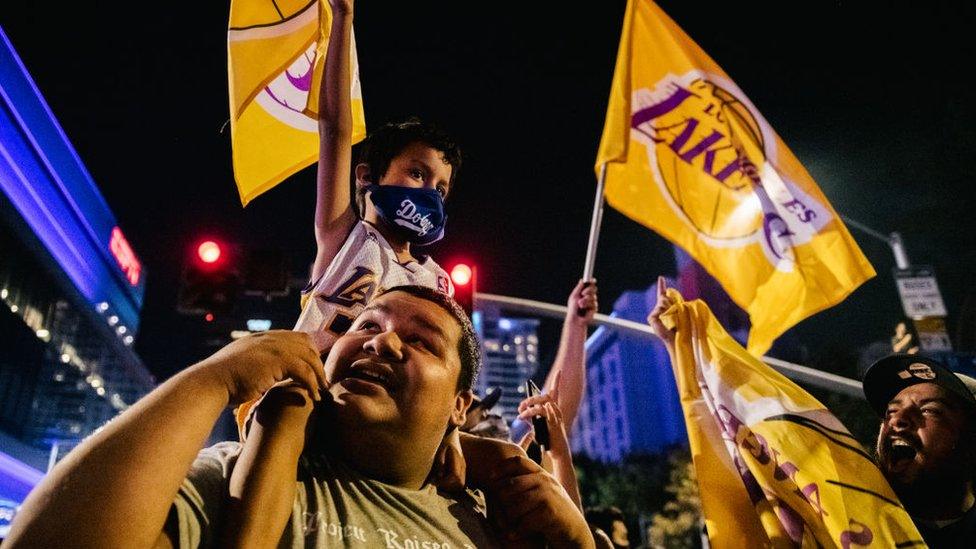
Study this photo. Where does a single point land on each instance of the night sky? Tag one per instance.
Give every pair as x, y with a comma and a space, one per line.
876, 102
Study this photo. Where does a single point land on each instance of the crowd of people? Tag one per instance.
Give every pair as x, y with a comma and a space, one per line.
360, 427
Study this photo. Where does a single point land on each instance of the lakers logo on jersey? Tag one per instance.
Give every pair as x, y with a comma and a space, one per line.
350, 296
356, 290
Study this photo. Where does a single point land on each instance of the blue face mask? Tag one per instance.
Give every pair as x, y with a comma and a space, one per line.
416, 215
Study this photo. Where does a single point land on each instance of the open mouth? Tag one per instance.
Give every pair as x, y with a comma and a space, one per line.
373, 373
900, 450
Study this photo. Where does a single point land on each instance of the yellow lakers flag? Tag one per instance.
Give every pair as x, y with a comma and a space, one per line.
691, 158
275, 55
775, 468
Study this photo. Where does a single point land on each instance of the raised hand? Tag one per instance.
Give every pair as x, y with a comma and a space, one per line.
582, 302
654, 319
546, 405
343, 7
558, 457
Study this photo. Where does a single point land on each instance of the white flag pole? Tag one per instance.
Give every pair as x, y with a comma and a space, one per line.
595, 225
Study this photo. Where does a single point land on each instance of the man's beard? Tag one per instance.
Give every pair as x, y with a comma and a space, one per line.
927, 486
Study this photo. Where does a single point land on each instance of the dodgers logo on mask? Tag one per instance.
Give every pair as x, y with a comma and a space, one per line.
416, 214
408, 217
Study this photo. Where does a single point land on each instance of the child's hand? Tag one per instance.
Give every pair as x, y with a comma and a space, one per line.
251, 365
525, 502
449, 469
482, 455
343, 7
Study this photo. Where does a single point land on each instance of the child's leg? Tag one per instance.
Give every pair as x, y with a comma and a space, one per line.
262, 485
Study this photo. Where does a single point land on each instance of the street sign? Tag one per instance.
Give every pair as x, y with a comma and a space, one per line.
919, 292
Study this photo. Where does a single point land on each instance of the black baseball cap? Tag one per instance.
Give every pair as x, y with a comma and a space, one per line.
489, 401
889, 375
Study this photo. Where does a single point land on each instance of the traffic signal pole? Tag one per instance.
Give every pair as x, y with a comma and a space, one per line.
796, 372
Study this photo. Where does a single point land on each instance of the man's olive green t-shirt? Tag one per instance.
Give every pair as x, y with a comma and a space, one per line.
334, 507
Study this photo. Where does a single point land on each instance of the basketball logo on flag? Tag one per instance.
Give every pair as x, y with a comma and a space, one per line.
701, 127
686, 154
276, 52
285, 97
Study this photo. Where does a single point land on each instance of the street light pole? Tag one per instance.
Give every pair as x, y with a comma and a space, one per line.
901, 257
894, 240
919, 292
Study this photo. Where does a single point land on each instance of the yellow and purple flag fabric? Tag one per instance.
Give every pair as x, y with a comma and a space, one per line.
690, 157
275, 55
775, 468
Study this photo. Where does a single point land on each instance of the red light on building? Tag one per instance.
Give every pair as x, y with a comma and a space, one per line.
209, 317
461, 274
124, 255
209, 252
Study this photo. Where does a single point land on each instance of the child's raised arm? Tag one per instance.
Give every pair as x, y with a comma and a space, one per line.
334, 213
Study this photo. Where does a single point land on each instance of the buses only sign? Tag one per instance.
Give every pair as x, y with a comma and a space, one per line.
919, 292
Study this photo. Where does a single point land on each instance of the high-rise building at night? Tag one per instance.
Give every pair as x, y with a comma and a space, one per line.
510, 349
631, 403
71, 290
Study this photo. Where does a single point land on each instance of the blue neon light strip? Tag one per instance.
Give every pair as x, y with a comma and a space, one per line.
17, 479
46, 181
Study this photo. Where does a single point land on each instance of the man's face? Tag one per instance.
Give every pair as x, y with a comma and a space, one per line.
920, 437
397, 368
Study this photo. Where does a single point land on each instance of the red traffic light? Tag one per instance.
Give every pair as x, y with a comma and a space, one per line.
465, 279
209, 252
461, 274
210, 281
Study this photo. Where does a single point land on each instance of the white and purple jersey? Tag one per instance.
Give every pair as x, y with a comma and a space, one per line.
365, 265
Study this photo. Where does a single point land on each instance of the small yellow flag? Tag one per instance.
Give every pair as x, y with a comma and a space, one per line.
775, 468
275, 55
689, 156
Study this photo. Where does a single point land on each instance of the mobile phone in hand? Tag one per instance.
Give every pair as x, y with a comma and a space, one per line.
534, 451
539, 424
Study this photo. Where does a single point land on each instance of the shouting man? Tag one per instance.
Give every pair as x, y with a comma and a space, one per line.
927, 443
